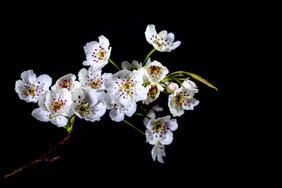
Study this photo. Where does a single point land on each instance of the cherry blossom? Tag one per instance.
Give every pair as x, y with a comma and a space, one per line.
153, 92
30, 87
162, 41
159, 133
88, 104
125, 87
155, 71
54, 106
66, 82
182, 99
94, 79
117, 111
97, 53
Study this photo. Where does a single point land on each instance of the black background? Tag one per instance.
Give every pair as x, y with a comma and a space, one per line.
49, 39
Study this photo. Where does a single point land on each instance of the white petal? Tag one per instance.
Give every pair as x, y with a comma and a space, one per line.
97, 65
170, 37
82, 76
131, 109
175, 45
44, 80
41, 101
125, 65
87, 63
192, 103
166, 138
150, 32
158, 152
40, 115
117, 114
20, 89
99, 109
151, 138
89, 48
172, 124
28, 76
163, 34
104, 42
60, 121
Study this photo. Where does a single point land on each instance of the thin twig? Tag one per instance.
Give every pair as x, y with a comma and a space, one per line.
40, 158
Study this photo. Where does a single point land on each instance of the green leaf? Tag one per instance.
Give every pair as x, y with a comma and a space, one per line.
199, 78
194, 76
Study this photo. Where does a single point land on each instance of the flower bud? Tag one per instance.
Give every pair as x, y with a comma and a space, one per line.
171, 87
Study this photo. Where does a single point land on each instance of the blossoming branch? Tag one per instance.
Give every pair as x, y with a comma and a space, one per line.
92, 93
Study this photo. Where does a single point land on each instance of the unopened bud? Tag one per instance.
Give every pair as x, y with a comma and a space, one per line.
171, 87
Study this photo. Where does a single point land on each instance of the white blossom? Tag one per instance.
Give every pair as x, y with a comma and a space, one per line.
66, 82
30, 87
159, 133
160, 130
97, 53
153, 92
54, 106
125, 87
182, 99
118, 112
88, 104
162, 41
155, 71
94, 79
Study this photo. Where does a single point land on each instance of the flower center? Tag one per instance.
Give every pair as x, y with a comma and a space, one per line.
83, 109
65, 84
178, 99
95, 84
126, 87
153, 91
58, 104
159, 40
154, 70
99, 53
31, 89
158, 126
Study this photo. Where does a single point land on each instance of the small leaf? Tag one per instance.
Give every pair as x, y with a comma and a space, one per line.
199, 78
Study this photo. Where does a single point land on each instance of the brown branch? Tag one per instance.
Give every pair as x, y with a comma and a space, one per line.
40, 158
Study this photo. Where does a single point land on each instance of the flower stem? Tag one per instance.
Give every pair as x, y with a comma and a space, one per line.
148, 56
139, 114
113, 64
133, 127
172, 78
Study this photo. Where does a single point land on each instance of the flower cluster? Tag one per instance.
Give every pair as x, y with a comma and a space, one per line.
93, 93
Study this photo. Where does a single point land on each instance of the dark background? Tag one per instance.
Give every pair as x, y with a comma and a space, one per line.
49, 39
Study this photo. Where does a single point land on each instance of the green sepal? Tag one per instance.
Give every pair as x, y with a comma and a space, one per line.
69, 125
